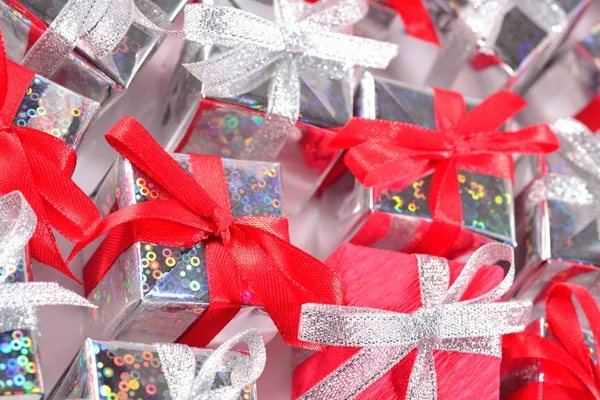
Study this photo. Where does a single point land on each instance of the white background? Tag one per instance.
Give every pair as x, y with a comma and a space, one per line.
64, 329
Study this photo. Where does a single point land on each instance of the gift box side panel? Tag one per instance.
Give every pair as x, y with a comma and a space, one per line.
80, 380
19, 353
57, 111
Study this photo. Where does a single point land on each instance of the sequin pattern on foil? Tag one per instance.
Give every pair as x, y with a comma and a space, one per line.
254, 190
135, 373
486, 202
55, 110
18, 364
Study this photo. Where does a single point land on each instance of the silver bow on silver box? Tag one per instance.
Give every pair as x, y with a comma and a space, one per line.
443, 323
179, 366
479, 25
96, 25
303, 37
18, 301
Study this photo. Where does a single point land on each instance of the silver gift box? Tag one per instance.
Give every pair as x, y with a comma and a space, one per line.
114, 370
154, 293
396, 219
103, 79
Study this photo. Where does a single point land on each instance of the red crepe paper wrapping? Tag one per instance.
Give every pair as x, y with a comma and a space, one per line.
393, 285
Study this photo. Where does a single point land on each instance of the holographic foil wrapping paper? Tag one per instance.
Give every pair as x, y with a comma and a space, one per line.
60, 112
19, 353
393, 219
516, 374
558, 241
116, 370
154, 293
99, 79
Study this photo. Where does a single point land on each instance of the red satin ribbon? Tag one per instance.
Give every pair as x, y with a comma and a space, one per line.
385, 153
255, 249
590, 114
416, 20
569, 370
40, 166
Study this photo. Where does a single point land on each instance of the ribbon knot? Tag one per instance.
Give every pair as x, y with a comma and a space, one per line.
445, 322
253, 249
294, 40
223, 220
378, 149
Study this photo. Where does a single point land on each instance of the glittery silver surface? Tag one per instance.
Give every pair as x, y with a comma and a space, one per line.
443, 323
179, 366
17, 224
99, 24
303, 37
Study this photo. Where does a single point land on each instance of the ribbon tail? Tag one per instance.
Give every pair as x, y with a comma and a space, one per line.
416, 20
355, 375
225, 296
422, 384
179, 367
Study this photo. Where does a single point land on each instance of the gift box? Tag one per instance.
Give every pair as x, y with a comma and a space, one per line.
556, 216
111, 369
154, 293
19, 349
396, 219
514, 44
396, 289
104, 79
227, 126
49, 107
516, 374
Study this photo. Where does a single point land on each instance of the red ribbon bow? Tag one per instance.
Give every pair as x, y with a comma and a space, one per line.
590, 114
569, 370
382, 153
416, 19
40, 166
255, 249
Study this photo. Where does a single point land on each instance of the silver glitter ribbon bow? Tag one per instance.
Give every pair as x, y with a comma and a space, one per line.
443, 323
18, 300
98, 26
479, 24
581, 147
303, 38
179, 366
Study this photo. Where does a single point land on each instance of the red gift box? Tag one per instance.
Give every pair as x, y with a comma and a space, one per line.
393, 285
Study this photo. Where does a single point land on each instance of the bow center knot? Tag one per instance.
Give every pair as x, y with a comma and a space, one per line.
427, 323
461, 146
223, 221
294, 40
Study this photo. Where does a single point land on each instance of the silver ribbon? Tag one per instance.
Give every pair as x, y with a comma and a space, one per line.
18, 300
98, 25
581, 147
17, 224
443, 323
479, 25
303, 37
179, 366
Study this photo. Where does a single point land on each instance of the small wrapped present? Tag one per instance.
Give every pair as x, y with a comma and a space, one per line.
557, 216
285, 107
42, 125
516, 39
195, 242
20, 377
415, 330
390, 199
90, 47
557, 356
113, 369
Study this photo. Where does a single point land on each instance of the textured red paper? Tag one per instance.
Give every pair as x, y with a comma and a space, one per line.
389, 280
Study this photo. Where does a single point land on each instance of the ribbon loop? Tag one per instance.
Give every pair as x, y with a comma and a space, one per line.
179, 366
443, 323
17, 224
